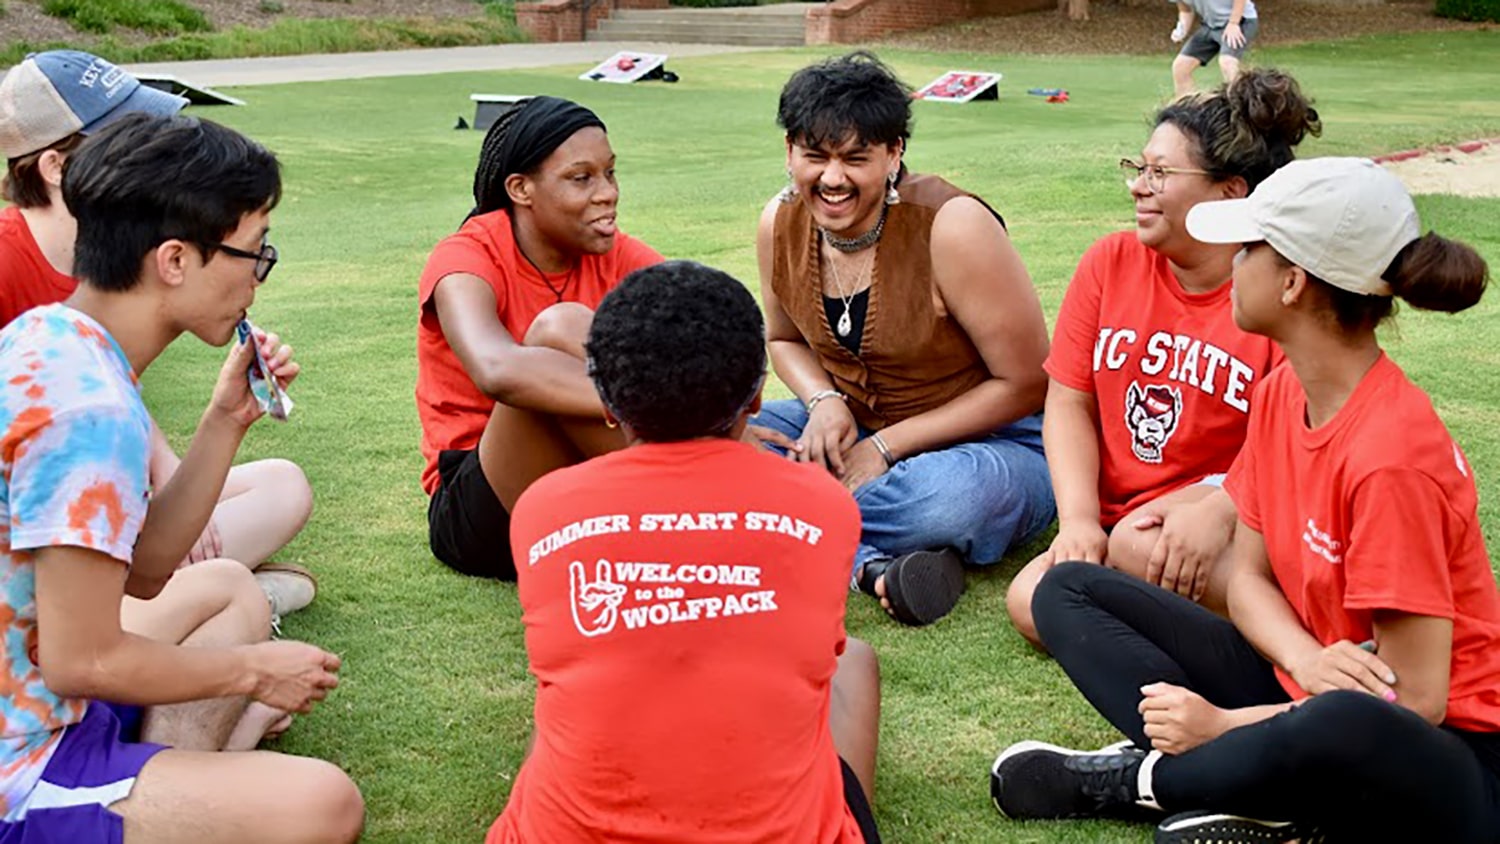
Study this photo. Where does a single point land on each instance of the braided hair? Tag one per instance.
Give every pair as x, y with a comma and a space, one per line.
489, 182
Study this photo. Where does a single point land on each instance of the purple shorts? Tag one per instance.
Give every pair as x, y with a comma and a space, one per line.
91, 769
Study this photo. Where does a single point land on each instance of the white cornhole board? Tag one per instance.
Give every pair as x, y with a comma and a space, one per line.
195, 94
624, 67
961, 86
489, 107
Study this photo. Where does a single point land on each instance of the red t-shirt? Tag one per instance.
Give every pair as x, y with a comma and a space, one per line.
453, 411
1374, 510
27, 279
684, 613
1170, 370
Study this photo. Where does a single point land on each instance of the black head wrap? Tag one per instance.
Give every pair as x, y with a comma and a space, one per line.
521, 140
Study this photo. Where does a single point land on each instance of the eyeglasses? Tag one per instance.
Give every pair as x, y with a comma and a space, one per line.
264, 260
1156, 175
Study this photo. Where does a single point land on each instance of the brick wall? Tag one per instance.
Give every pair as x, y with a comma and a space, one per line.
562, 20
853, 21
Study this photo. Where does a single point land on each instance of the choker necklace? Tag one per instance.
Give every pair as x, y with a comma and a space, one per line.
854, 244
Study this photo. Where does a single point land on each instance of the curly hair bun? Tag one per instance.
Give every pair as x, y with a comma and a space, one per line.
1268, 105
1248, 129
1437, 274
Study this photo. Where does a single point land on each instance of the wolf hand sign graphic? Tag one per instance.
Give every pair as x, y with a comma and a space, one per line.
596, 603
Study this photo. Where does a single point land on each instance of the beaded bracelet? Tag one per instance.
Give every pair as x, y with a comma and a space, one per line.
812, 400
885, 451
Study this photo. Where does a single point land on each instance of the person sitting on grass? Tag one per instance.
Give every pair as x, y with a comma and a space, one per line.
902, 318
49, 104
172, 218
1354, 694
1151, 379
711, 693
505, 304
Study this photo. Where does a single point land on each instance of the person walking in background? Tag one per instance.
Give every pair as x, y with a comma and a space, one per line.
1225, 29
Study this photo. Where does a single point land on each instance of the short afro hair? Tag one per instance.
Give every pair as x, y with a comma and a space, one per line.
857, 94
678, 351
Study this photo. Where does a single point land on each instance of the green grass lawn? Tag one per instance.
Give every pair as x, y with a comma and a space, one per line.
434, 709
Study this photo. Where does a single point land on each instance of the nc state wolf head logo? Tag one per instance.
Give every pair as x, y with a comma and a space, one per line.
1151, 414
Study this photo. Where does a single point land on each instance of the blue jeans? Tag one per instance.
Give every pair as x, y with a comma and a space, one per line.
978, 497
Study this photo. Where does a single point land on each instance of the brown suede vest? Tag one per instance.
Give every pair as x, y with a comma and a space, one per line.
911, 359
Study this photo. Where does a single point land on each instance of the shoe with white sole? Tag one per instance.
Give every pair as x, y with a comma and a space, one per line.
1036, 780
1221, 828
289, 588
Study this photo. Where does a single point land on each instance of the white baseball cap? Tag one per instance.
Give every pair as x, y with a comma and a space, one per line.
52, 95
1341, 219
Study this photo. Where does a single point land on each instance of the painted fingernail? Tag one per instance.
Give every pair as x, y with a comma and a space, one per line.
1390, 697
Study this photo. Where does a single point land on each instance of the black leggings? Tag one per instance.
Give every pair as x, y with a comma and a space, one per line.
1348, 762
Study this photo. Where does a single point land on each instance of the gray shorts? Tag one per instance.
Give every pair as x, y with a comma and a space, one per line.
1208, 42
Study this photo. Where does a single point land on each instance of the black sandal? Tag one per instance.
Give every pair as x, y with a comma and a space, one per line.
921, 587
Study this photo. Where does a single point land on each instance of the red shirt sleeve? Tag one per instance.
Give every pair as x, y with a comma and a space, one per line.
1398, 545
463, 252
1071, 361
635, 254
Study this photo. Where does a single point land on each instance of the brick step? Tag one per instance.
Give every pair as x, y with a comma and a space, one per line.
778, 24
706, 16
780, 35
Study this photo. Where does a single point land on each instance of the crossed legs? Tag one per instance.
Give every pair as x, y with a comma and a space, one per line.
215, 603
263, 506
1129, 551
518, 446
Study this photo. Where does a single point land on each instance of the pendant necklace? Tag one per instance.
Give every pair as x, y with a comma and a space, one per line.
846, 322
557, 291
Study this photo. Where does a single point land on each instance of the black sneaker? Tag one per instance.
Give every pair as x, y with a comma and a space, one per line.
1219, 828
1031, 780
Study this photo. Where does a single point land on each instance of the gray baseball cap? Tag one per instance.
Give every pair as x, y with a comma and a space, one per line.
52, 95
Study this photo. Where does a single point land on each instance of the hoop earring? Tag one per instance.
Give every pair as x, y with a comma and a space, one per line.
892, 196
788, 193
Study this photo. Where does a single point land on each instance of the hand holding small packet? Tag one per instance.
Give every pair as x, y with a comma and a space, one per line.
268, 392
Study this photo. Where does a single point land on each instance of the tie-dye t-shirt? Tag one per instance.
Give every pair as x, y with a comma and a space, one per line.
74, 436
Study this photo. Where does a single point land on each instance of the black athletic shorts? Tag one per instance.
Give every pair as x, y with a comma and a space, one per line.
467, 526
859, 807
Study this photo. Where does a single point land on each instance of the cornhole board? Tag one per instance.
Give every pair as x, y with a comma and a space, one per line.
196, 94
489, 107
624, 67
961, 86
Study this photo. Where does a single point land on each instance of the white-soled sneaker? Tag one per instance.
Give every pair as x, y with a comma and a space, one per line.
1035, 780
1221, 828
289, 587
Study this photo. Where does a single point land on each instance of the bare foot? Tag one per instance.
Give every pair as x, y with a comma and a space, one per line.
259, 723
